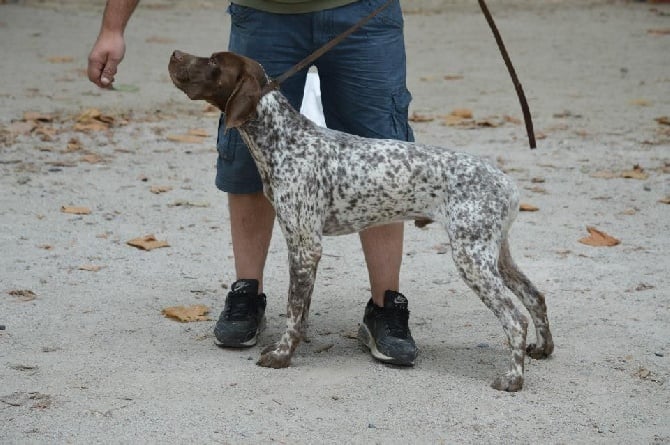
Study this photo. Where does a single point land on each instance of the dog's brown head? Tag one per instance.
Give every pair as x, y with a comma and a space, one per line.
228, 81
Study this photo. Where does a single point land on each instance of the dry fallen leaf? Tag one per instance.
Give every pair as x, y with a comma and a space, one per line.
489, 122
62, 163
160, 189
598, 238
185, 138
90, 126
452, 120
23, 294
640, 102
642, 373
665, 200
74, 144
463, 117
512, 119
92, 119
536, 189
453, 77
21, 127
187, 314
464, 113
643, 286
24, 367
91, 158
565, 114
636, 173
87, 115
75, 210
148, 242
416, 117
663, 120
90, 267
37, 116
200, 132
42, 401
60, 59
659, 31
524, 207
46, 134
605, 174
184, 203
563, 253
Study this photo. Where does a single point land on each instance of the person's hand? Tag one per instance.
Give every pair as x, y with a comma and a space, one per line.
105, 56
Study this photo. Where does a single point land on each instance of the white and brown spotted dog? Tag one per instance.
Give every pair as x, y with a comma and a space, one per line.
325, 182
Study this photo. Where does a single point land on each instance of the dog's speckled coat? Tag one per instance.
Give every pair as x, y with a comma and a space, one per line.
325, 182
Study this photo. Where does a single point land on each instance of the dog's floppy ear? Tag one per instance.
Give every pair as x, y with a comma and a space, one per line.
242, 103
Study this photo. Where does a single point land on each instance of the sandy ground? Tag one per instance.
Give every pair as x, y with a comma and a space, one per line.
87, 357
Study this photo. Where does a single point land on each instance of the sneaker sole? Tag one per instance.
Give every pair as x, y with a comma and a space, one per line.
240, 345
365, 337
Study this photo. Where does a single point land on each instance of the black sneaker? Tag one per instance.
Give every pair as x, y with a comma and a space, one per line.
243, 316
385, 332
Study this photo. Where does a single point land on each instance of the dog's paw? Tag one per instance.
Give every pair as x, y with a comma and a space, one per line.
274, 357
508, 383
539, 353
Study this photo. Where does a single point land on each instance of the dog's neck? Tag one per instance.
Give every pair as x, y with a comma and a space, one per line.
274, 114
266, 135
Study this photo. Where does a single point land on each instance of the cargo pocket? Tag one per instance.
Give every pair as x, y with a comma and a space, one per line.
401, 128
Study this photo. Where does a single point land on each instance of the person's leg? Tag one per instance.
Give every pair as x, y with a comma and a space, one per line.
364, 92
382, 247
251, 222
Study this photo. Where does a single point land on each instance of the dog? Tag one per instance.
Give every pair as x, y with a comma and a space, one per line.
325, 182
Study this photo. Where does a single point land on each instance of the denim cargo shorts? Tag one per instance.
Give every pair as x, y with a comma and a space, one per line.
363, 79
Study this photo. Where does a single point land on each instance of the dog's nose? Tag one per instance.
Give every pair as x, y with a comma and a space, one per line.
177, 55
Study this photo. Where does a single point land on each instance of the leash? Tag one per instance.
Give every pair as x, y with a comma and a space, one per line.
307, 61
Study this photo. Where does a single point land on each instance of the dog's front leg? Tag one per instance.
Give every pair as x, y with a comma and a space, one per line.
304, 255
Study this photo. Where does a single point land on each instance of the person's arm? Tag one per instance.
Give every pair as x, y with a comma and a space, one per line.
110, 46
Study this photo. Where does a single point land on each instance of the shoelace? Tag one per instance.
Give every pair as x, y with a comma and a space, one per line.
397, 321
239, 307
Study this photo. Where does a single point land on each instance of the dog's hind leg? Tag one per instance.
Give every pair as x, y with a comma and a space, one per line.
304, 255
475, 260
531, 298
